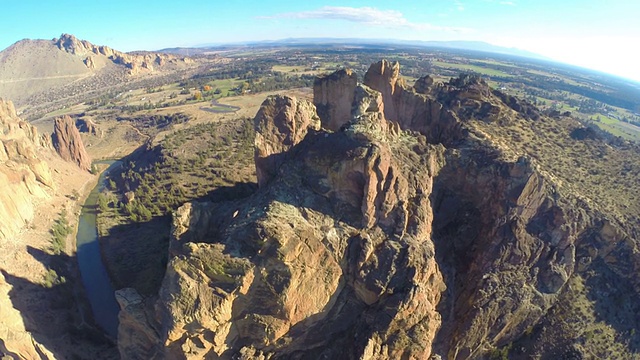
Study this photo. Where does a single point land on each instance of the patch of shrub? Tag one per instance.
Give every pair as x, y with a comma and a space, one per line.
60, 231
51, 279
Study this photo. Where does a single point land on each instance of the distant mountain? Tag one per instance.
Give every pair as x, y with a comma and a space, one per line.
68, 66
479, 46
460, 45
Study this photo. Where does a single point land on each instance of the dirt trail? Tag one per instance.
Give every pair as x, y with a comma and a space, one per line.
44, 78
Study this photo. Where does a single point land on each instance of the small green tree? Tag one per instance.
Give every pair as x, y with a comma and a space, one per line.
51, 279
60, 231
144, 214
103, 203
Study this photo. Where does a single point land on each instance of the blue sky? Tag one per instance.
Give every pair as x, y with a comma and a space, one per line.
597, 34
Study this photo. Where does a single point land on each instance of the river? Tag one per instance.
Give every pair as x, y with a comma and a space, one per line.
94, 275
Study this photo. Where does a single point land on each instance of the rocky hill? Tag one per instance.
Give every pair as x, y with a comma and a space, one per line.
94, 56
37, 71
433, 221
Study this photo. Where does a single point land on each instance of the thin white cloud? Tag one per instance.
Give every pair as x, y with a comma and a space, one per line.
507, 3
459, 5
366, 15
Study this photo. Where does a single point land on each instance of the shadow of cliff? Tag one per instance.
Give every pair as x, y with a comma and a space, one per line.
5, 352
455, 230
56, 310
615, 303
237, 191
467, 199
135, 254
308, 175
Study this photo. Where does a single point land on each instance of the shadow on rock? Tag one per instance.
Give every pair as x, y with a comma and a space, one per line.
615, 303
56, 311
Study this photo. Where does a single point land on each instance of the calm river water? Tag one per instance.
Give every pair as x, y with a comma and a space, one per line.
94, 275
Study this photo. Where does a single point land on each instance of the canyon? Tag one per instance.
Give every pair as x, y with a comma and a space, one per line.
362, 218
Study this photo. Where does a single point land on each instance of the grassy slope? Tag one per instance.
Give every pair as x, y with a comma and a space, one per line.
189, 164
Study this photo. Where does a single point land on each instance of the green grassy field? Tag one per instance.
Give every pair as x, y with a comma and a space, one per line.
498, 63
288, 68
618, 128
474, 68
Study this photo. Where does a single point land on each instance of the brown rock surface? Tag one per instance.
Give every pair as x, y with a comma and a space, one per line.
23, 175
385, 77
280, 124
68, 143
333, 98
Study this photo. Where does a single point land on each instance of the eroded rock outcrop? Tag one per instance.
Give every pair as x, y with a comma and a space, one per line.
401, 231
341, 232
68, 143
281, 123
23, 174
384, 77
435, 109
333, 98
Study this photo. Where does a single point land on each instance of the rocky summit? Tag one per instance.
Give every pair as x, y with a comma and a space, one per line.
398, 222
